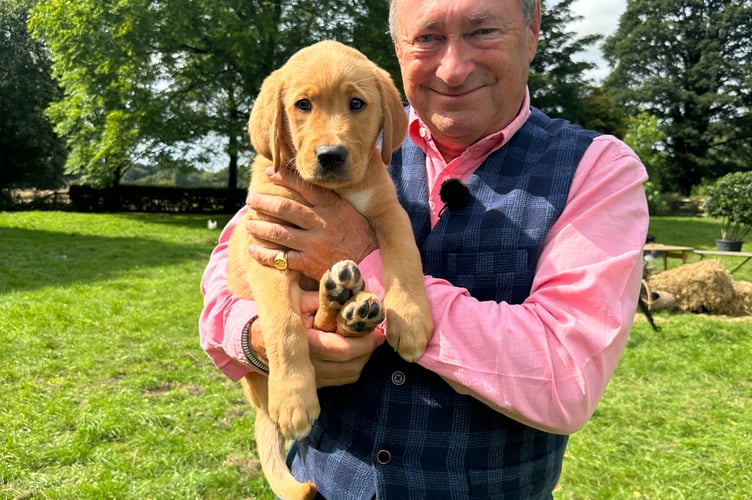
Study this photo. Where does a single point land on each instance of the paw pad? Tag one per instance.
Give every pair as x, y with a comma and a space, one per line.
343, 281
362, 314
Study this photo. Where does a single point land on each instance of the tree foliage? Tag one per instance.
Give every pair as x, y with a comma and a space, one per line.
31, 155
689, 63
153, 81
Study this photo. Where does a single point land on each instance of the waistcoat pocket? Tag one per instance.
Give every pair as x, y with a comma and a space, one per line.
487, 274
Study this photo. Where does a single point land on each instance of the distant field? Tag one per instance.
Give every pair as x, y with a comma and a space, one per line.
107, 394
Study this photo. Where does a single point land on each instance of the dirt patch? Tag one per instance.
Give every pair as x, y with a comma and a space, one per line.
249, 468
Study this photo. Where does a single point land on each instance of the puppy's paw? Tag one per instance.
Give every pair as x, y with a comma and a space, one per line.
293, 404
360, 315
342, 282
408, 329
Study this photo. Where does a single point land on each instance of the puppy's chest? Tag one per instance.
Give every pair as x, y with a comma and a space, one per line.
361, 199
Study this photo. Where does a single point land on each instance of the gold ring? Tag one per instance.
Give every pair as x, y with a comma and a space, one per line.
280, 260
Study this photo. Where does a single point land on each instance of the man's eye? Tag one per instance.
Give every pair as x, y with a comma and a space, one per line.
304, 105
426, 39
357, 104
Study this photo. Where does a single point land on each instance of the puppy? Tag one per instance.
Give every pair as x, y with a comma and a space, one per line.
336, 118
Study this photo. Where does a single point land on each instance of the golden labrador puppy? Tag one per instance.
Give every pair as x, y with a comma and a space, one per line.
336, 118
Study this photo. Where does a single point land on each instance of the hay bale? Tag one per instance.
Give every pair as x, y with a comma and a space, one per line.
701, 287
744, 292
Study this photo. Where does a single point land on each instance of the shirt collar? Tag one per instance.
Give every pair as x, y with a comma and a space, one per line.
421, 135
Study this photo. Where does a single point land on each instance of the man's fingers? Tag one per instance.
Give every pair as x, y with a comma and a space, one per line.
267, 256
278, 234
283, 209
314, 195
309, 302
327, 346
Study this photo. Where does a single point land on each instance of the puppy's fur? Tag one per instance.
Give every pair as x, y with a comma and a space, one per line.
336, 118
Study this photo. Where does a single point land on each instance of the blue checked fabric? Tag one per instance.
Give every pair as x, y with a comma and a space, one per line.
401, 431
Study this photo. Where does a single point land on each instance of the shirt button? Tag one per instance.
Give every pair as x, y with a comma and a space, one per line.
398, 378
423, 132
383, 457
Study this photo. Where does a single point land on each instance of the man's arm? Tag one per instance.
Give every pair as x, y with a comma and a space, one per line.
546, 362
223, 317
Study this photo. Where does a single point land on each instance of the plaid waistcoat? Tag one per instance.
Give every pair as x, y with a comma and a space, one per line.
401, 431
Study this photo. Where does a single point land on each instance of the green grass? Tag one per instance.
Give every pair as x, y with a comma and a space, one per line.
676, 420
107, 394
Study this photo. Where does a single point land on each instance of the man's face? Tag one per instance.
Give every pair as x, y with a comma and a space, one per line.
465, 64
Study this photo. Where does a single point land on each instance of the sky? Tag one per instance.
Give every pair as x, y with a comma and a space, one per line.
600, 17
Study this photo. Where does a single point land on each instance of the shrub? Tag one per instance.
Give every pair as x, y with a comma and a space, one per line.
730, 200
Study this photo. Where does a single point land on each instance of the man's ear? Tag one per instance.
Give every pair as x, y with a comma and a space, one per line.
534, 33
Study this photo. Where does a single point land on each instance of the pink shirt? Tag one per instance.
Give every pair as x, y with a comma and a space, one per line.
545, 362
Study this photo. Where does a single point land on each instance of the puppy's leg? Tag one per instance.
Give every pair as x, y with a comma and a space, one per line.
271, 444
409, 323
343, 305
293, 402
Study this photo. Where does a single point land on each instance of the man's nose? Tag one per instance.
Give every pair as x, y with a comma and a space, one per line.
456, 62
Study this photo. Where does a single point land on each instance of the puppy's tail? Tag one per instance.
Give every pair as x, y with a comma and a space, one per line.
271, 449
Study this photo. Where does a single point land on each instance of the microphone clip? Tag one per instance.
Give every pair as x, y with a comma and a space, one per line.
454, 193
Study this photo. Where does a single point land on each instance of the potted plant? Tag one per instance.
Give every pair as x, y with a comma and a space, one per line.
729, 199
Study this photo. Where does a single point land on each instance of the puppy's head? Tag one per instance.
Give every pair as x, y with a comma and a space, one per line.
326, 108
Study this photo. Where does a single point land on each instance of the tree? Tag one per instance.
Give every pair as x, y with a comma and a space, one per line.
31, 155
689, 63
150, 81
557, 82
647, 139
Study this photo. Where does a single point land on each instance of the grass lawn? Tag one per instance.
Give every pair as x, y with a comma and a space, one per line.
107, 394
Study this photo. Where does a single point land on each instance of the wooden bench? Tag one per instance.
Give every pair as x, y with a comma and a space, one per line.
666, 251
745, 255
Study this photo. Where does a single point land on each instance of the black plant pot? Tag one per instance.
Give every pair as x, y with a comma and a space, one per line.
728, 245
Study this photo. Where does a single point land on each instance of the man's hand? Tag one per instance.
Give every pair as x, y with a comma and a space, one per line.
337, 360
327, 231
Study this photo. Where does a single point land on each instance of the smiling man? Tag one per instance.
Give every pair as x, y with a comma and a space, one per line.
464, 65
532, 292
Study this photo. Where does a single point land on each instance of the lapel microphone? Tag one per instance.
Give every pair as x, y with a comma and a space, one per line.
454, 194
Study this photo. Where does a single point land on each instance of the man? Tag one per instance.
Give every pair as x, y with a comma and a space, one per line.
532, 277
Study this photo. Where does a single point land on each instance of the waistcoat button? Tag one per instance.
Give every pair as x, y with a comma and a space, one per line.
398, 378
383, 457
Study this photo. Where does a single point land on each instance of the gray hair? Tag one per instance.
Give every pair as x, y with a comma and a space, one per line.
528, 10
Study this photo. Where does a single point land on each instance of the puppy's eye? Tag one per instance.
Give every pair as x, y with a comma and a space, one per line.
304, 105
357, 104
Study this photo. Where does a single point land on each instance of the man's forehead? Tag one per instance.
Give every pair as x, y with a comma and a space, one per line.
441, 18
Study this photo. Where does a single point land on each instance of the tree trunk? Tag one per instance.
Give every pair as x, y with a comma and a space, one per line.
232, 144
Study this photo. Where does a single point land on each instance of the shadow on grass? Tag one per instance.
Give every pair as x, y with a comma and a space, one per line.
32, 259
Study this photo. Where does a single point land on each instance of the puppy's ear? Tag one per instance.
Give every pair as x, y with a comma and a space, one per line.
395, 117
267, 125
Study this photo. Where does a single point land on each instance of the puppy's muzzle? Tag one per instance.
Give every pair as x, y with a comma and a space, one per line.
331, 158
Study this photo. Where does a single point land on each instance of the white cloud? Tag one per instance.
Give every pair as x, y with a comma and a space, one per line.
598, 17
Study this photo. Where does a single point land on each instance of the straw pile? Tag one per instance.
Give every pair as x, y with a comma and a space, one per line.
705, 287
744, 291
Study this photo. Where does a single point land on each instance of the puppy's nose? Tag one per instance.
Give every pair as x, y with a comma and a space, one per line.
331, 157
